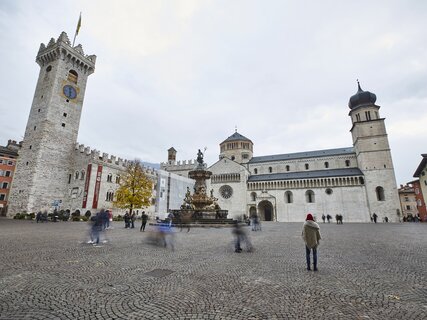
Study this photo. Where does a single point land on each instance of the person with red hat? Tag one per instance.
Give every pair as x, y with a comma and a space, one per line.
311, 236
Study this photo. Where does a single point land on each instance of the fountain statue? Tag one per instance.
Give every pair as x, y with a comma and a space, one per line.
201, 206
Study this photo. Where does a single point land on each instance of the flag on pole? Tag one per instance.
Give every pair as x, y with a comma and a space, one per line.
79, 24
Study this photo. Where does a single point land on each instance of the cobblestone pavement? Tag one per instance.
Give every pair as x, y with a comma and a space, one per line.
366, 271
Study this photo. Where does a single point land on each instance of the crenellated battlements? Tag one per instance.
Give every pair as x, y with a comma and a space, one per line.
62, 49
178, 165
106, 158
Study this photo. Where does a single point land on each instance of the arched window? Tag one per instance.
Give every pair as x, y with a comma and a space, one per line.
253, 196
309, 196
110, 196
347, 163
326, 164
289, 197
76, 175
307, 166
288, 168
73, 76
233, 157
117, 179
380, 193
256, 171
361, 180
109, 177
82, 175
270, 169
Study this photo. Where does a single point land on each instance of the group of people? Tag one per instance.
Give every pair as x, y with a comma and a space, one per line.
130, 219
328, 217
255, 222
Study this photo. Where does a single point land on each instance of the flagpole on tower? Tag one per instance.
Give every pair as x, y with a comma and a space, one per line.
79, 23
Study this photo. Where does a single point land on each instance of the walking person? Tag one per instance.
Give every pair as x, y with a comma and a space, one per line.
374, 216
127, 219
328, 217
144, 219
311, 236
170, 219
240, 237
132, 220
323, 218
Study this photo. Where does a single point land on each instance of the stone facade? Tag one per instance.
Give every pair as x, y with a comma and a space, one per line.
8, 158
408, 201
354, 182
421, 187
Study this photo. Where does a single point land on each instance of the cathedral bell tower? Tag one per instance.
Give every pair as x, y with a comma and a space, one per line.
373, 154
46, 155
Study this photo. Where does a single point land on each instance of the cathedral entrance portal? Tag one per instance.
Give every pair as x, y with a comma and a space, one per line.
265, 209
252, 211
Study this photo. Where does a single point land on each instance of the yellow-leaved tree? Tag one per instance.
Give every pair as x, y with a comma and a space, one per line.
135, 188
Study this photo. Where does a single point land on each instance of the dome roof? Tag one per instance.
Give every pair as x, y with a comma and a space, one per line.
361, 98
236, 137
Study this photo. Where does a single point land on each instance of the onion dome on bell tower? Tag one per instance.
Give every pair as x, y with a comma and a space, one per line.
361, 98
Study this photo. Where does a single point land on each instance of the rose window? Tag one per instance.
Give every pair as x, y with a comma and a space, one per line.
226, 191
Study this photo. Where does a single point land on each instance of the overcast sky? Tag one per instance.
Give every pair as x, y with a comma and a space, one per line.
186, 73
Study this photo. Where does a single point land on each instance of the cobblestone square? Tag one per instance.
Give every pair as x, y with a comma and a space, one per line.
366, 271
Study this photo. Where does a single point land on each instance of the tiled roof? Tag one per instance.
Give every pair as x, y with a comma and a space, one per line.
421, 166
306, 174
303, 155
236, 137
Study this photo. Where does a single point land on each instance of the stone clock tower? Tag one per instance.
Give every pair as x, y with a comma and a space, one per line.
42, 173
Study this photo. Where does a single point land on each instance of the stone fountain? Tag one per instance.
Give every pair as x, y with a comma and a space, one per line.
199, 206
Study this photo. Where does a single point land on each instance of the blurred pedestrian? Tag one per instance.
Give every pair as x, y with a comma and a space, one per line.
104, 217
170, 219
144, 219
96, 228
240, 237
127, 220
311, 236
323, 218
132, 220
110, 219
38, 216
375, 217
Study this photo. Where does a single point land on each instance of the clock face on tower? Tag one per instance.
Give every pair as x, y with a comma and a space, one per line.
69, 91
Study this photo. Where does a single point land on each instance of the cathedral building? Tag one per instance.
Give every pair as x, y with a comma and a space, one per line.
53, 171
355, 182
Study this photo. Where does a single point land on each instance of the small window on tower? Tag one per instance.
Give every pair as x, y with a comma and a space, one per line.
72, 76
35, 127
63, 124
39, 110
49, 69
65, 114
